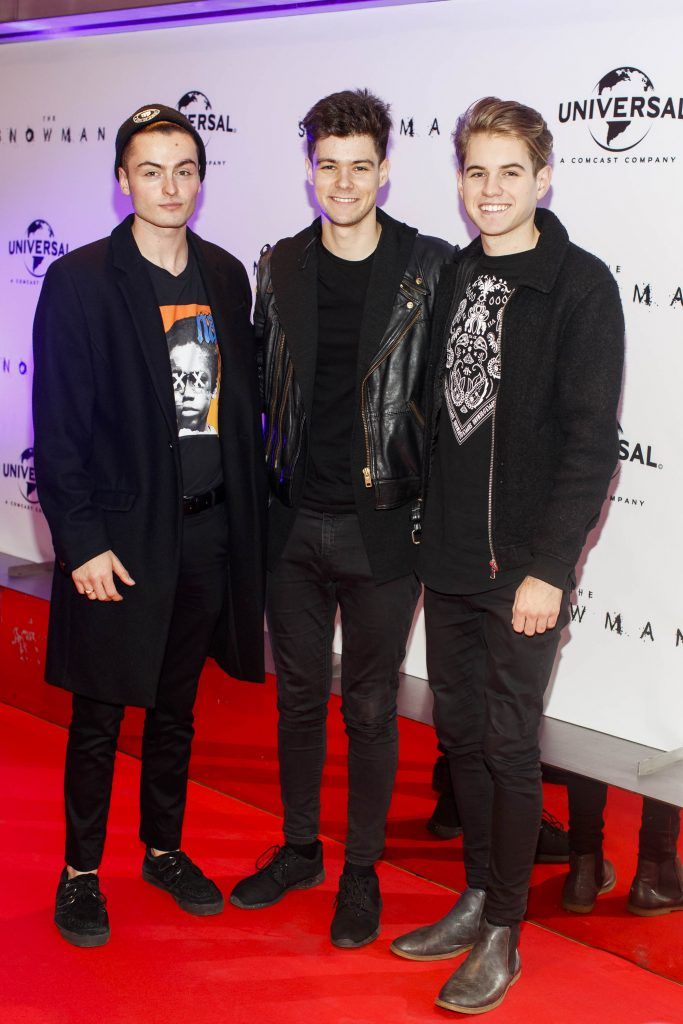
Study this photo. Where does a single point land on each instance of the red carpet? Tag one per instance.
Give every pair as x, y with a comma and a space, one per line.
164, 967
235, 753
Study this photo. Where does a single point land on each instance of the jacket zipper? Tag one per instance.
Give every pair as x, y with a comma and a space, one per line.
367, 473
273, 401
494, 568
283, 405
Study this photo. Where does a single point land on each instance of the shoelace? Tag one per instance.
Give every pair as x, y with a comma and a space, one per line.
275, 860
81, 886
551, 822
353, 893
175, 866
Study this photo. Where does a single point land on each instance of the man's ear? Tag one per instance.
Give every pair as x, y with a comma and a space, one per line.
309, 170
123, 182
384, 169
543, 179
459, 182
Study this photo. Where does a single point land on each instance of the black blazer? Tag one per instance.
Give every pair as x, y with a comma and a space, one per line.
108, 467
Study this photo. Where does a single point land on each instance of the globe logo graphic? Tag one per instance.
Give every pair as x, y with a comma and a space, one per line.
38, 230
192, 104
617, 130
28, 485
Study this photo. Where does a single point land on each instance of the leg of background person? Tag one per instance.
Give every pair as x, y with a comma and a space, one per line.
587, 800
590, 874
456, 660
89, 770
376, 621
658, 884
659, 831
301, 606
169, 728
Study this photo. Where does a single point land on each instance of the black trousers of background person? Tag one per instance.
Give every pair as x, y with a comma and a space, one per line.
488, 684
324, 566
168, 730
659, 827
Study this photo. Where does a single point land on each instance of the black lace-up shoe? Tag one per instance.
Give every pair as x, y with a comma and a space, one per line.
184, 881
553, 841
278, 870
80, 912
358, 905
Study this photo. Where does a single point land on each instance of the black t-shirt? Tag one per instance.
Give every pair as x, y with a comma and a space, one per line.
455, 552
196, 369
342, 287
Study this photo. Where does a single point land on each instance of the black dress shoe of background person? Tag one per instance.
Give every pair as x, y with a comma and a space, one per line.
553, 841
657, 888
177, 875
480, 983
445, 820
453, 934
80, 911
358, 906
587, 879
278, 871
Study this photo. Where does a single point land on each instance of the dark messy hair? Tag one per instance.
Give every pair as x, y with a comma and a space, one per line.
351, 112
160, 127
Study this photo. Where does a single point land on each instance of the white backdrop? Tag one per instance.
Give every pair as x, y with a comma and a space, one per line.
607, 77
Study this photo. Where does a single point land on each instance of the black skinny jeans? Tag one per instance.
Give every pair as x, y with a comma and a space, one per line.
488, 684
324, 566
169, 725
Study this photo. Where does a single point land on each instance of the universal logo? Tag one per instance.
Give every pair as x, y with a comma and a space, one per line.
24, 473
621, 110
197, 108
636, 451
38, 248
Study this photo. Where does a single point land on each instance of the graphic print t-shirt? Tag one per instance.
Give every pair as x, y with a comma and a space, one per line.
455, 551
196, 372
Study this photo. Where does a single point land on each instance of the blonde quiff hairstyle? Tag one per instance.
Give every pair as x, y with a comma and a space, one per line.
492, 116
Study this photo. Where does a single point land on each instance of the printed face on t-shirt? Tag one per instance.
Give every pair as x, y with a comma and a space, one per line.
194, 367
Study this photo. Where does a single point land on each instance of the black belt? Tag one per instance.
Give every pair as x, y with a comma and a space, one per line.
200, 502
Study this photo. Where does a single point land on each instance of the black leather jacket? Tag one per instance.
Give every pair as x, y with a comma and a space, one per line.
393, 354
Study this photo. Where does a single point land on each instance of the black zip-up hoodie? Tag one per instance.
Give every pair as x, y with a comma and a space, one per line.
555, 424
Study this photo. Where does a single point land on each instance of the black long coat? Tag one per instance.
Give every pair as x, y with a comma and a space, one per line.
108, 466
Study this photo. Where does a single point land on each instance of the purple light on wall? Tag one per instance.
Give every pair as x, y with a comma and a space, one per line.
175, 15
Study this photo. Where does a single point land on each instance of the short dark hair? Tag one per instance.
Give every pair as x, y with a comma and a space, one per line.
351, 112
491, 116
159, 127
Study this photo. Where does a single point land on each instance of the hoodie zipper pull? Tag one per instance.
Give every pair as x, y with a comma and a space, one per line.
366, 476
493, 569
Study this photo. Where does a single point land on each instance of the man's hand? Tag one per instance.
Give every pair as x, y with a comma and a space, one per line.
536, 606
95, 578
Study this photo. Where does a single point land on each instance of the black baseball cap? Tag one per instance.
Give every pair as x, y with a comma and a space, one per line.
152, 113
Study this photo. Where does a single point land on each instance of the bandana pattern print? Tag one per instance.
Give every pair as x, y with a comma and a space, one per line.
473, 355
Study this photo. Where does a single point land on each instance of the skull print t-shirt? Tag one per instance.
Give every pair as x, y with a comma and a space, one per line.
455, 551
195, 372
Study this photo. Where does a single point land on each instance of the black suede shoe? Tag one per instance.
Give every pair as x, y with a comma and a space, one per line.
553, 841
184, 881
358, 905
80, 912
279, 870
